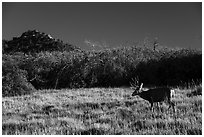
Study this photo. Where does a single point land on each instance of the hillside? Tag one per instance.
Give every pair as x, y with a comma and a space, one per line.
34, 41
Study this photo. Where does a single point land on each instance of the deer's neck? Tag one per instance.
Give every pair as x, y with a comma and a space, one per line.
143, 94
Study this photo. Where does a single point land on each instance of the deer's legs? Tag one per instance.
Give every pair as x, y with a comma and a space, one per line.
152, 104
159, 106
171, 104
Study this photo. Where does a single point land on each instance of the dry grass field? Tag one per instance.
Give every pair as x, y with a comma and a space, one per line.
99, 111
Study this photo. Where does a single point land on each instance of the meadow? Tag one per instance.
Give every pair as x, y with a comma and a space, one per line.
100, 111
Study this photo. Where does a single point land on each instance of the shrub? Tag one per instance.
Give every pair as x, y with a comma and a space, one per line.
51, 65
14, 81
116, 67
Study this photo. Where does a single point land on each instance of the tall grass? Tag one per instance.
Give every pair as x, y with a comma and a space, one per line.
99, 111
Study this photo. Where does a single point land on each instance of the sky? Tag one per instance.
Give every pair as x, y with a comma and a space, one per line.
107, 24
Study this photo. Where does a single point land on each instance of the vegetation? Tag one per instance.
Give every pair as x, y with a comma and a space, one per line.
35, 65
47, 64
14, 80
99, 111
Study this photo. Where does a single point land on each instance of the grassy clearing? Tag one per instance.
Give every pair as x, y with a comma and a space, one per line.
109, 111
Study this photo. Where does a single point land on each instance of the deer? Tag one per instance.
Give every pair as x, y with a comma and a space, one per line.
153, 95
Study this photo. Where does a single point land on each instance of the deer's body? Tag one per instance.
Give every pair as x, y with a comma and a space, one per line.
155, 95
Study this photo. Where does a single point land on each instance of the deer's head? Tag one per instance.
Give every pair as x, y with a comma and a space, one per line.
138, 90
136, 87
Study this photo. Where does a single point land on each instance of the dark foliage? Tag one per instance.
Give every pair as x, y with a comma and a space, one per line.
73, 69
14, 81
51, 66
171, 70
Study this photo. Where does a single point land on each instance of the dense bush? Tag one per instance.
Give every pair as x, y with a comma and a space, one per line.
14, 81
172, 70
110, 67
60, 68
114, 68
